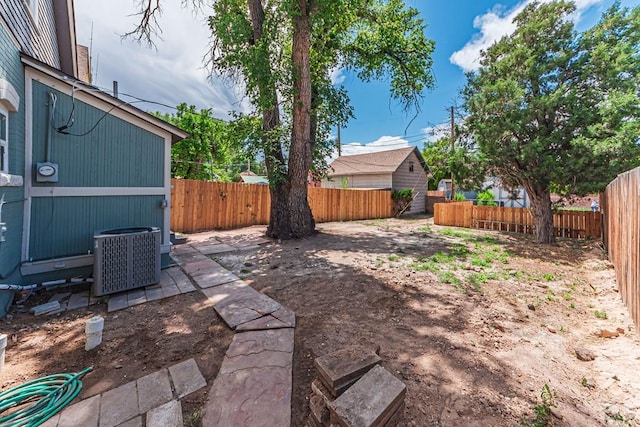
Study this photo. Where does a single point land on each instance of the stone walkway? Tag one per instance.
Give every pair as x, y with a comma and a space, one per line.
254, 385
155, 396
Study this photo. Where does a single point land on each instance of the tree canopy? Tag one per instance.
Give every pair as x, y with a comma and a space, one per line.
283, 52
554, 109
462, 160
215, 150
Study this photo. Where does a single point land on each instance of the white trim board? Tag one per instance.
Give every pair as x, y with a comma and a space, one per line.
96, 191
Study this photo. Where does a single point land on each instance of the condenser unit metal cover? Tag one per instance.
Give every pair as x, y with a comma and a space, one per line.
125, 258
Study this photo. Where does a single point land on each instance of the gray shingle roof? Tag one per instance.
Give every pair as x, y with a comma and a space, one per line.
373, 163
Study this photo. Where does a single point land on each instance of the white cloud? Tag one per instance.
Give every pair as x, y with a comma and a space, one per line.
337, 76
434, 133
171, 73
384, 143
495, 24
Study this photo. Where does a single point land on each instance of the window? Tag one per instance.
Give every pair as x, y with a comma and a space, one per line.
411, 167
4, 138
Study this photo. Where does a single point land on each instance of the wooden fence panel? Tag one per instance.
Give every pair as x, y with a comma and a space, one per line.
572, 224
201, 205
456, 214
619, 203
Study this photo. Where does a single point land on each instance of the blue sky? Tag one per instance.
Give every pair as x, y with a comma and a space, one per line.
172, 72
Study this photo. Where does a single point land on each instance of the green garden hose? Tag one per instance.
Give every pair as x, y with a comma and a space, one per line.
45, 397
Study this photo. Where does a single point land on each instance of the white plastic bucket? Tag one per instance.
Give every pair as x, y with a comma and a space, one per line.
93, 330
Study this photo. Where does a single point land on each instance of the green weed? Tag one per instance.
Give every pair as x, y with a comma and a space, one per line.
459, 250
542, 410
601, 314
450, 278
429, 265
442, 258
548, 277
550, 295
393, 258
479, 262
455, 233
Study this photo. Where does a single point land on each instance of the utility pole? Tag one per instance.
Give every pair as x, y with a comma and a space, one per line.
339, 147
453, 141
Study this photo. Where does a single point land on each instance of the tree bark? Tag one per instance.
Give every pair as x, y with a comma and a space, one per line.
279, 222
542, 214
291, 216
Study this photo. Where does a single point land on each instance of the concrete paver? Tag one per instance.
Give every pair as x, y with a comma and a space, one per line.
153, 293
169, 289
282, 318
371, 401
84, 413
117, 302
134, 422
153, 390
119, 405
181, 280
78, 300
135, 297
214, 248
238, 303
186, 378
261, 323
167, 415
342, 368
60, 296
213, 276
253, 387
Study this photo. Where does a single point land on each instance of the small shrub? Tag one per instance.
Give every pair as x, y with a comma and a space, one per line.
459, 197
401, 200
485, 198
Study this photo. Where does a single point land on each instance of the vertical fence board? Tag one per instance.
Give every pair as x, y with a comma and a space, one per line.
574, 224
619, 205
200, 205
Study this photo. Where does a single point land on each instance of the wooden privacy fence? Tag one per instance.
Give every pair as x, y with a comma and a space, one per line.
573, 224
202, 205
619, 202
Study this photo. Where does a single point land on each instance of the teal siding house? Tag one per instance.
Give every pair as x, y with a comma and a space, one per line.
74, 160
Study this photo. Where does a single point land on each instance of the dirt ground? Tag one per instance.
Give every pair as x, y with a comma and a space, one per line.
481, 326
136, 342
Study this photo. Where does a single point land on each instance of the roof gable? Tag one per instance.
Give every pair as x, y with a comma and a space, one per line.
95, 95
380, 162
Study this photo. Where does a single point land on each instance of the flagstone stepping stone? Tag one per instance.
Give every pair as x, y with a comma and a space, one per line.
253, 387
238, 303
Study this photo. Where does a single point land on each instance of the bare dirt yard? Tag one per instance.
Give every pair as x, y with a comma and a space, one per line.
484, 328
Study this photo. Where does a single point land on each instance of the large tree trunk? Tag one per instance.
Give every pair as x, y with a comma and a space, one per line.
279, 223
292, 217
542, 214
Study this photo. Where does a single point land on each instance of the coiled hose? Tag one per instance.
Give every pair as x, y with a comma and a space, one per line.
48, 395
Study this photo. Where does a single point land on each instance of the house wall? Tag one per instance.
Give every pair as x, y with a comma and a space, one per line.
115, 174
358, 181
11, 71
410, 174
36, 36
